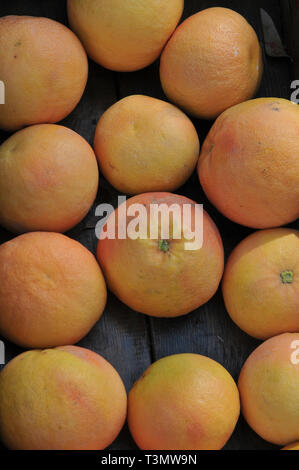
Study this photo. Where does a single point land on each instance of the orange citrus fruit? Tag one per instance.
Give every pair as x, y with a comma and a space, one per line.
67, 398
124, 35
44, 69
269, 389
155, 147
183, 402
212, 62
249, 166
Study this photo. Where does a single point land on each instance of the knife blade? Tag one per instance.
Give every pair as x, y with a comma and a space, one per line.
273, 43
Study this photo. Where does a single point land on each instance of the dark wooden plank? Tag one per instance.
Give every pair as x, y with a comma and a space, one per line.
209, 330
121, 336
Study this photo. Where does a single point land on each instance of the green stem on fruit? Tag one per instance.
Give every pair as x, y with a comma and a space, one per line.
164, 245
287, 277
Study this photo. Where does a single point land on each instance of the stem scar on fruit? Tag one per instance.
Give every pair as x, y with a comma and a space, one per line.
287, 277
164, 245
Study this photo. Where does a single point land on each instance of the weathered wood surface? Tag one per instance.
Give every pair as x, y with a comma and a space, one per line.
129, 340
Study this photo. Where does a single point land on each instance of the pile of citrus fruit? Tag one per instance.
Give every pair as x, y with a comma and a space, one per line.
53, 290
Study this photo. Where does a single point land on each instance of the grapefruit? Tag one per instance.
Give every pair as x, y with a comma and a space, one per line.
52, 290
67, 398
269, 389
44, 68
124, 35
183, 402
155, 148
212, 62
261, 283
249, 165
48, 179
155, 272
294, 446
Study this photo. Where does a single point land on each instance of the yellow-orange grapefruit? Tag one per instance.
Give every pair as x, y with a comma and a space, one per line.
261, 283
294, 446
52, 290
212, 62
155, 272
44, 69
144, 144
124, 35
48, 179
269, 389
67, 398
183, 402
249, 165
